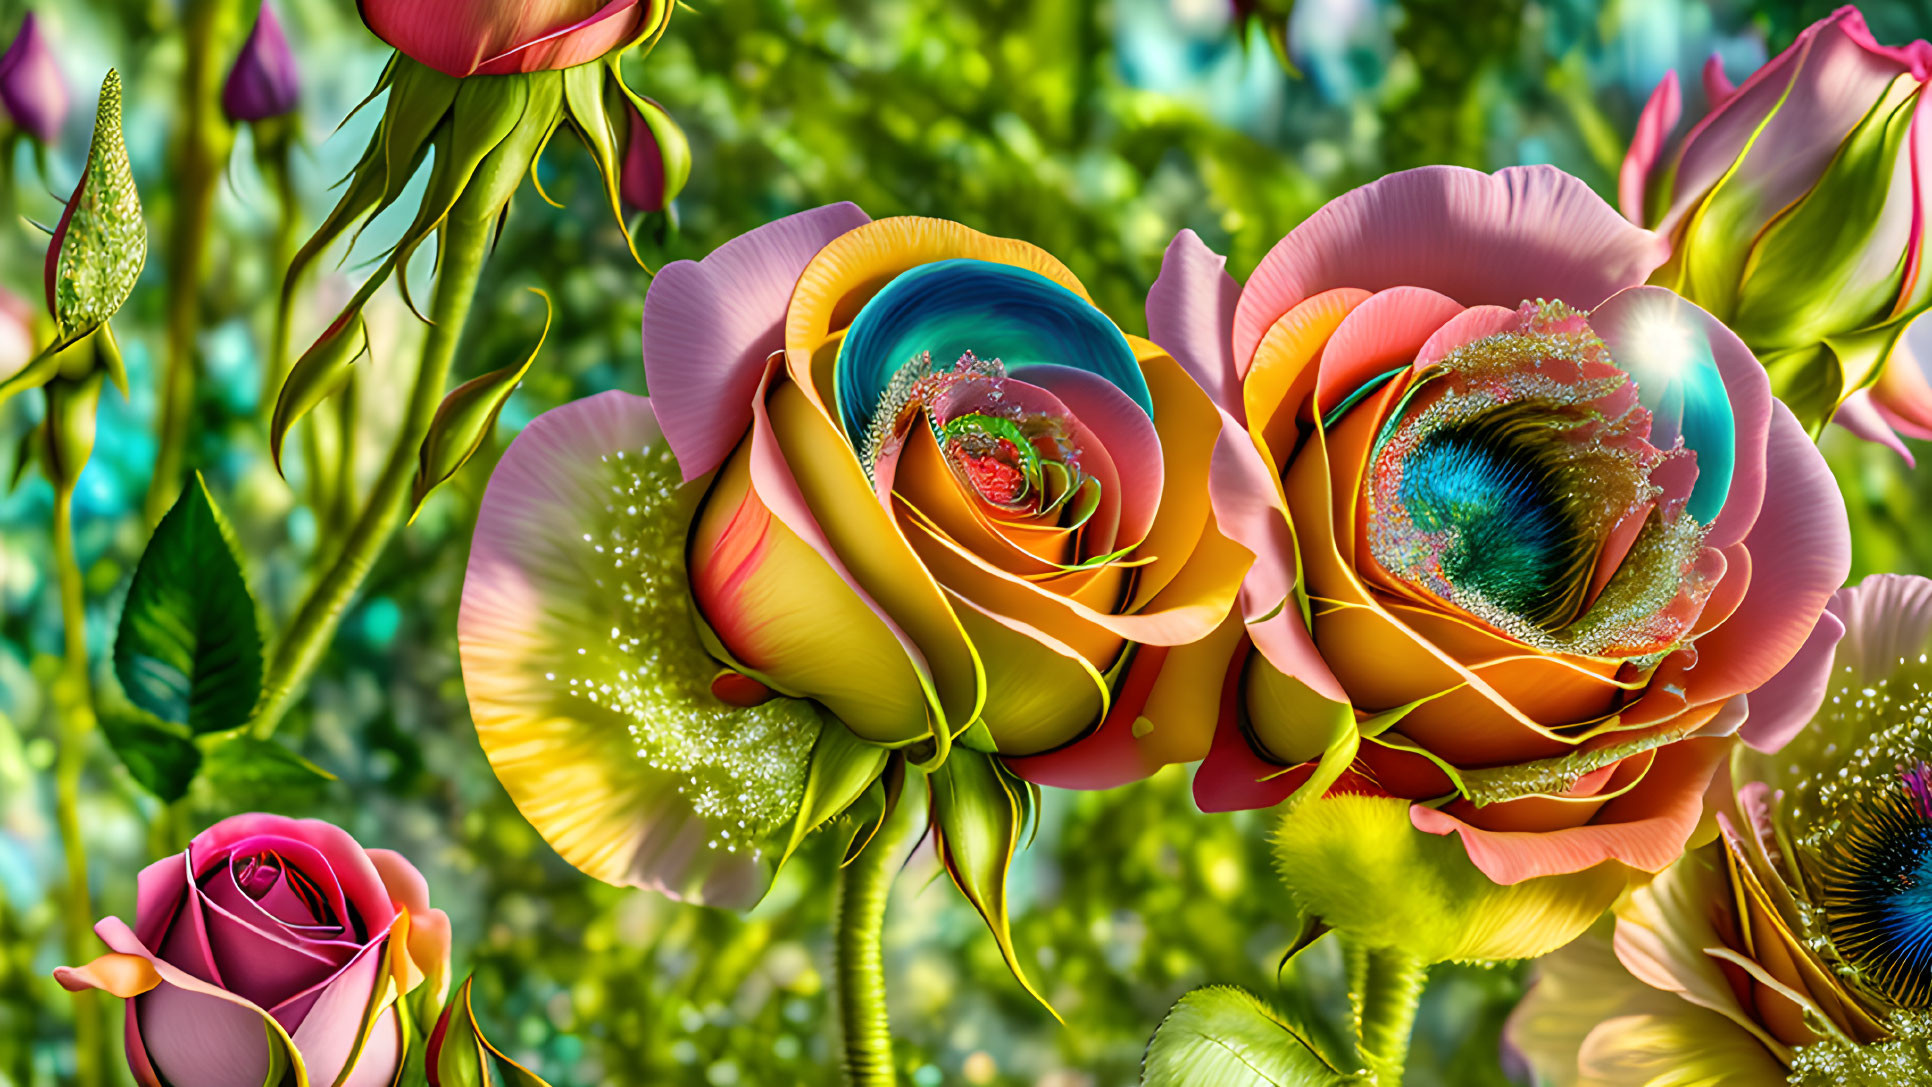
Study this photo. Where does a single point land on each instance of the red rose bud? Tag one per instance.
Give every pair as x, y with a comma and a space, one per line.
31, 86
263, 83
504, 37
657, 161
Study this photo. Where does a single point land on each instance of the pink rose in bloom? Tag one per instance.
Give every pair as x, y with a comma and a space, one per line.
1527, 529
1797, 210
504, 37
270, 932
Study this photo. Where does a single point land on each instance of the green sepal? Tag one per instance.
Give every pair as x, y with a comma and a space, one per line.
189, 645
1223, 1036
890, 790
843, 767
67, 430
673, 147
323, 368
485, 112
979, 811
101, 242
585, 87
466, 419
162, 757
459, 1055
1803, 280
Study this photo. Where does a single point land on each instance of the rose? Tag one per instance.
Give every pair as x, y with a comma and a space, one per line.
31, 87
1797, 217
503, 37
263, 82
1518, 558
901, 469
270, 934
1786, 947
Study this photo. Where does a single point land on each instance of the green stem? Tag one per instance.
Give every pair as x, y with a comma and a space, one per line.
199, 154
74, 703
859, 956
463, 244
1385, 988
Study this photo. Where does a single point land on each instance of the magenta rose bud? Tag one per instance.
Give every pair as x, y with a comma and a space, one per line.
504, 37
270, 933
30, 83
263, 83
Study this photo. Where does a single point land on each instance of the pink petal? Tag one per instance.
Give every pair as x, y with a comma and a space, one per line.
1637, 321
158, 894
709, 325
1800, 553
1645, 828
1472, 324
1837, 78
1389, 329
194, 1038
326, 1035
1862, 417
1903, 395
1888, 618
1654, 126
1125, 433
266, 967
429, 931
376, 1067
1718, 87
1190, 314
568, 45
349, 869
1232, 777
1786, 702
501, 37
1482, 239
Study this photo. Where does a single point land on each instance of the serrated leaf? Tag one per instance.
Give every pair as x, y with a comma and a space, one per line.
466, 419
189, 647
1221, 1036
460, 1056
979, 811
101, 243
162, 758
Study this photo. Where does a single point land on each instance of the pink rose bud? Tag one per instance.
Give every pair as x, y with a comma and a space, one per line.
503, 37
270, 932
643, 182
31, 86
263, 83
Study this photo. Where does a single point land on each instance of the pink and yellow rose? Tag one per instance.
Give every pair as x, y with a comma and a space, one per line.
270, 943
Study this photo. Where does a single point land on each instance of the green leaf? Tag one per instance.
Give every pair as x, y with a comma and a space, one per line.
460, 1056
189, 649
101, 242
161, 757
324, 368
466, 419
978, 812
1221, 1036
249, 771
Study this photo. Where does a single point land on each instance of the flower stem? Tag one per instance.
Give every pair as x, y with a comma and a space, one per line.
865, 884
463, 244
74, 705
1385, 988
199, 153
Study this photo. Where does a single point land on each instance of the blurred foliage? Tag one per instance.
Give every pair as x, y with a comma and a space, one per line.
1095, 130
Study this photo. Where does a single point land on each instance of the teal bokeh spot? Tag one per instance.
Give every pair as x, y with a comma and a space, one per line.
381, 619
950, 307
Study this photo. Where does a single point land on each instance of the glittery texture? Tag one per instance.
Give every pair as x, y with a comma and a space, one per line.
1500, 482
742, 768
98, 250
1865, 838
1906, 1057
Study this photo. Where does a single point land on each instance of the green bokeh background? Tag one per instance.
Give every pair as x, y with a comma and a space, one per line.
1093, 129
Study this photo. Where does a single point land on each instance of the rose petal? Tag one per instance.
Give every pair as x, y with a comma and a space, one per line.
327, 1032
1190, 313
1787, 701
1654, 126
710, 325
1495, 239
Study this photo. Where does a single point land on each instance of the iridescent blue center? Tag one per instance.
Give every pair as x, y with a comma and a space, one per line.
1878, 890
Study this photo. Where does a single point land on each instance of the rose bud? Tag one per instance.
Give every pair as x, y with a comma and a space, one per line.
503, 37
263, 83
31, 86
1796, 210
270, 934
657, 160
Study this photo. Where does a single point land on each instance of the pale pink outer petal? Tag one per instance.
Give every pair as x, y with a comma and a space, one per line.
327, 1035
1860, 415
1636, 321
1888, 618
157, 896
1718, 87
1654, 125
1839, 73
1645, 828
1786, 702
710, 325
1190, 314
1482, 239
376, 1067
1903, 395
1800, 553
